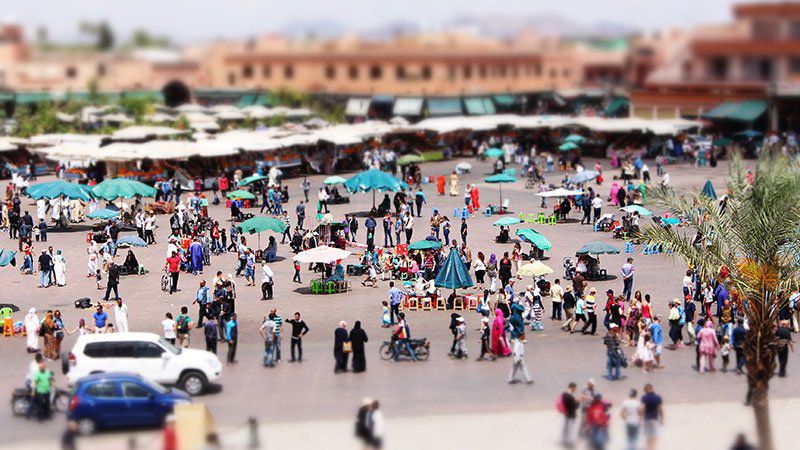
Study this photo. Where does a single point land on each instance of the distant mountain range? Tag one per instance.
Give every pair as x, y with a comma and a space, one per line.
498, 26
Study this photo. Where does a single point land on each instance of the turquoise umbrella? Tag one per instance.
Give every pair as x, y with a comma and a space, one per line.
500, 178
59, 188
584, 176
506, 221
575, 138
597, 248
7, 257
252, 179
374, 180
454, 274
240, 194
531, 236
335, 179
103, 214
495, 153
425, 245
568, 146
122, 188
708, 191
259, 224
636, 208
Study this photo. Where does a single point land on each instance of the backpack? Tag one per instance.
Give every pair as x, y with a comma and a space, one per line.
183, 324
560, 407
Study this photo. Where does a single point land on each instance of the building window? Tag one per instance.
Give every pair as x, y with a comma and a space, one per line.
72, 72
794, 65
537, 70
503, 71
101, 70
451, 72
482, 71
288, 72
794, 30
352, 72
687, 71
765, 29
330, 72
400, 72
375, 72
467, 72
247, 72
426, 72
718, 68
565, 73
231, 79
266, 71
514, 71
553, 73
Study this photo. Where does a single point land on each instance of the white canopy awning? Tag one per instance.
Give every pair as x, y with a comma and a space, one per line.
560, 192
322, 254
357, 107
144, 132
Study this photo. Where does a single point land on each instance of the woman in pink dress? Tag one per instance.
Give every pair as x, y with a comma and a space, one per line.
498, 337
613, 194
708, 347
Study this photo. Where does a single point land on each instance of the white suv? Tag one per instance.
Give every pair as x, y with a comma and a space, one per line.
146, 354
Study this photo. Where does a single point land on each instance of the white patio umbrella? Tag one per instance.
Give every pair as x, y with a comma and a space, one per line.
322, 254
560, 192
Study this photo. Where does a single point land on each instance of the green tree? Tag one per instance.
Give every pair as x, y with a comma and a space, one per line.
137, 108
756, 237
102, 32
143, 39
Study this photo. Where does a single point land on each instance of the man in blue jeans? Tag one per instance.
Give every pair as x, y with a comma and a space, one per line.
627, 279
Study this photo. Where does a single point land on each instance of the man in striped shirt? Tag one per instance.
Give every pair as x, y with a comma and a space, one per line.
590, 312
273, 314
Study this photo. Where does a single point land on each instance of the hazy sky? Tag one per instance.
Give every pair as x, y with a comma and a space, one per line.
193, 20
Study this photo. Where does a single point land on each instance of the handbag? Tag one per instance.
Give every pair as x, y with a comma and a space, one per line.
347, 347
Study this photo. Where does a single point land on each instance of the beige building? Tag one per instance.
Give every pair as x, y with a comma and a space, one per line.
429, 64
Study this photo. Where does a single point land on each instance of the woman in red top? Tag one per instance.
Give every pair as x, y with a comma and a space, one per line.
173, 266
223, 184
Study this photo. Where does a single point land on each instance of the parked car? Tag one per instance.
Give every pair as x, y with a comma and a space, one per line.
146, 354
121, 400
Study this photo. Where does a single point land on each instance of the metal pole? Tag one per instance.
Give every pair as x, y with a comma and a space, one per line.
253, 441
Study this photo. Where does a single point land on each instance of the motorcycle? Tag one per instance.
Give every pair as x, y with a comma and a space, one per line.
421, 349
21, 400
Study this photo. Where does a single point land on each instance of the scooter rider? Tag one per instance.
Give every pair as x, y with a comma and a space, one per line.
400, 338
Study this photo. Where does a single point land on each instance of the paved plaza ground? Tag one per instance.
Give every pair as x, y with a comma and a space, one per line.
424, 402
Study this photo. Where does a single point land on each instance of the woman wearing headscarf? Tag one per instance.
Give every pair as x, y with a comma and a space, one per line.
60, 268
498, 338
491, 272
32, 326
358, 337
340, 353
708, 347
48, 332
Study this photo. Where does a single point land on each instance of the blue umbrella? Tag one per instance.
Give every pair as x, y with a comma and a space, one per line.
670, 220
583, 177
374, 180
454, 273
135, 241
597, 248
7, 257
708, 191
59, 188
103, 214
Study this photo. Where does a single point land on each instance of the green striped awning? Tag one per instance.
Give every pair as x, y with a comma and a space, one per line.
746, 111
444, 107
155, 96
6, 96
30, 98
504, 99
262, 100
246, 100
616, 105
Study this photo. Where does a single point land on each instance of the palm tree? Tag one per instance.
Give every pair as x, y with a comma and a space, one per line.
755, 236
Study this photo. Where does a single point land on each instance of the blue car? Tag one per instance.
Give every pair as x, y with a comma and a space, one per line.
120, 400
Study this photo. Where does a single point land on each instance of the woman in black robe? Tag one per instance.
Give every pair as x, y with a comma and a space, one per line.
339, 339
358, 337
